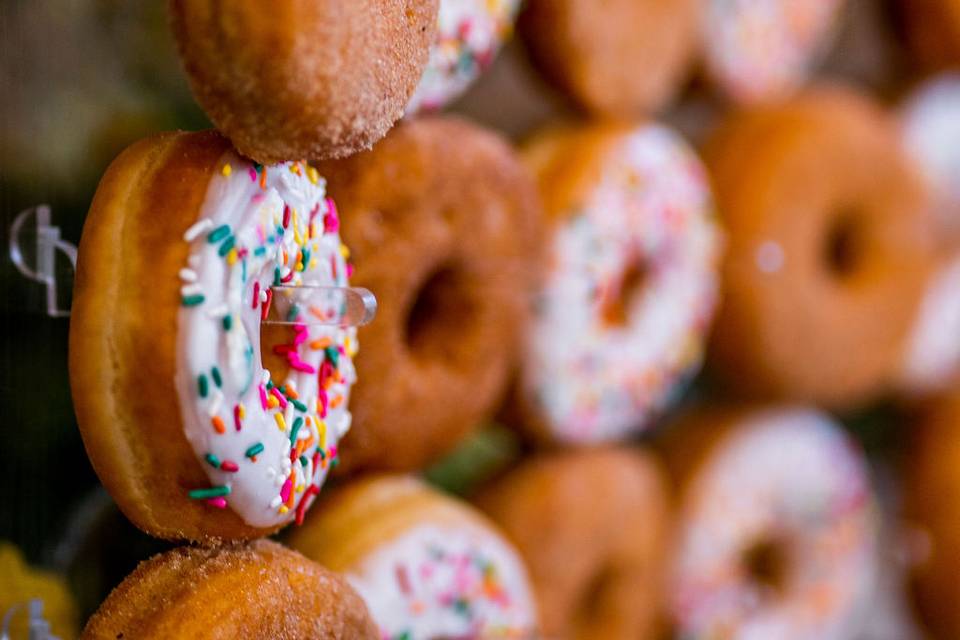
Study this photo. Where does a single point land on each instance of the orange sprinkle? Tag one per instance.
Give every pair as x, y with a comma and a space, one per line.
292, 393
217, 423
321, 343
318, 313
263, 177
336, 402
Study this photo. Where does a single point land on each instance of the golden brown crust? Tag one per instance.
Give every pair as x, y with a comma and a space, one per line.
806, 328
593, 528
259, 590
123, 330
933, 28
626, 58
442, 221
295, 79
932, 505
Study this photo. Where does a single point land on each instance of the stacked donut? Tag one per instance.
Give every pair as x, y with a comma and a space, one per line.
571, 289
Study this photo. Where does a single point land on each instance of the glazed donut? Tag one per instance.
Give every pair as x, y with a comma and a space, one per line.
829, 231
189, 432
631, 283
933, 30
777, 526
443, 220
625, 59
427, 565
258, 590
592, 526
469, 35
303, 78
763, 51
931, 487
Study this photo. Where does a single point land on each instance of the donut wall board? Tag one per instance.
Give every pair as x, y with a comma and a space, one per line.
501, 318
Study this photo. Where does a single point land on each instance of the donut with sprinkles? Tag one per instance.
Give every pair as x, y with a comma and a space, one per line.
427, 565
185, 251
632, 268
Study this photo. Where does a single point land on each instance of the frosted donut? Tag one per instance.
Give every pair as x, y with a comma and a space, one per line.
809, 269
188, 431
933, 30
427, 565
762, 50
777, 527
593, 527
624, 59
303, 78
469, 36
622, 314
259, 590
931, 484
443, 221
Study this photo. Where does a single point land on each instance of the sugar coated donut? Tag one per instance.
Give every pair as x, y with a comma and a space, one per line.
932, 484
931, 133
631, 283
592, 526
427, 565
777, 526
442, 219
189, 432
303, 78
469, 35
933, 29
259, 590
758, 50
829, 230
626, 58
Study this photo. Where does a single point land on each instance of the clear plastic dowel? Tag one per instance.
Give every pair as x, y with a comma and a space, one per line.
320, 306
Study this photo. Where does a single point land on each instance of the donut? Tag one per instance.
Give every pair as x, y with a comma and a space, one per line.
443, 222
777, 527
428, 566
193, 437
21, 583
930, 504
469, 36
592, 526
931, 134
303, 78
933, 31
828, 230
763, 51
254, 590
626, 59
631, 282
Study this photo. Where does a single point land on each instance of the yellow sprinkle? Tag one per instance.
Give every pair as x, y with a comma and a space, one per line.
243, 412
322, 431
272, 403
299, 488
283, 508
313, 263
281, 423
313, 174
232, 257
345, 251
227, 170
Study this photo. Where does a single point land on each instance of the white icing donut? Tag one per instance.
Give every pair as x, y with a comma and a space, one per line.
469, 35
266, 446
593, 380
933, 347
763, 49
790, 477
442, 581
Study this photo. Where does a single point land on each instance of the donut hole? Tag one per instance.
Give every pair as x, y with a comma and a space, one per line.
441, 312
843, 250
632, 284
767, 563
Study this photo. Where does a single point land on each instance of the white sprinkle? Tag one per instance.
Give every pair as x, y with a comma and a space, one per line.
190, 290
344, 425
265, 377
263, 295
216, 402
271, 473
219, 311
194, 260
197, 228
275, 503
188, 275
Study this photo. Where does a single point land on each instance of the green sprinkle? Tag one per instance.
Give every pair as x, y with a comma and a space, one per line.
255, 450
215, 374
303, 460
279, 230
269, 385
333, 355
227, 245
461, 606
227, 322
212, 460
335, 462
257, 167
212, 492
293, 313
218, 234
203, 385
295, 429
298, 405
260, 251
305, 259
192, 301
276, 277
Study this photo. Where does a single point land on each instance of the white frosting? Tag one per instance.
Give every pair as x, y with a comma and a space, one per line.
223, 331
438, 581
793, 476
931, 131
762, 49
469, 34
594, 381
933, 347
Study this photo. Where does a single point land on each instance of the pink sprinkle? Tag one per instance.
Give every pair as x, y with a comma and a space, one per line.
300, 331
311, 491
286, 216
229, 466
257, 197
403, 579
256, 295
323, 400
253, 174
331, 221
236, 417
296, 363
333, 451
287, 278
263, 398
349, 270
279, 396
333, 267
242, 253
285, 489
219, 503
260, 235
283, 349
